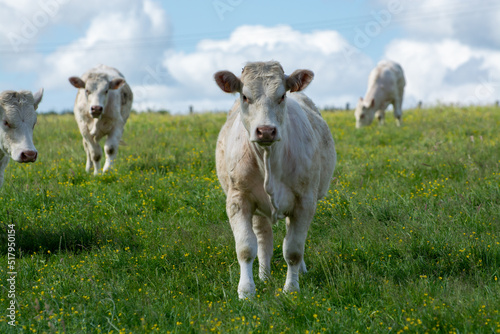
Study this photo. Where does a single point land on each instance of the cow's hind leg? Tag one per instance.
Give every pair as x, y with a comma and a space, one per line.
263, 230
293, 245
240, 216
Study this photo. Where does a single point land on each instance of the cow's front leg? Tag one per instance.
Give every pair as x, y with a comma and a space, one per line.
94, 151
111, 150
239, 211
111, 146
263, 230
380, 115
398, 111
293, 245
88, 163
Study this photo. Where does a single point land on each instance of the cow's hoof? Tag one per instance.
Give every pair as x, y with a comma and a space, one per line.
246, 291
303, 268
291, 287
264, 275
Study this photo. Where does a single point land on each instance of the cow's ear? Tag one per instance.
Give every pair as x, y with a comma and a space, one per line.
299, 80
38, 97
116, 83
228, 82
77, 82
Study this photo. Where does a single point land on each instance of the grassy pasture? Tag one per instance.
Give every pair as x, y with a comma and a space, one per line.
408, 239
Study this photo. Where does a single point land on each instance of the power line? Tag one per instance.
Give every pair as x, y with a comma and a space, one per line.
338, 24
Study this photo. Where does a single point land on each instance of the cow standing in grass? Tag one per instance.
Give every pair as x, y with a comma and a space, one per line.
275, 158
18, 117
386, 85
102, 107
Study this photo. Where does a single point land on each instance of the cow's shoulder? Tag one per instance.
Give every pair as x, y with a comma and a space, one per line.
305, 102
126, 94
306, 110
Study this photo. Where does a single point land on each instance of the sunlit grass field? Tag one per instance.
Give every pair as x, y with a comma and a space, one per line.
408, 239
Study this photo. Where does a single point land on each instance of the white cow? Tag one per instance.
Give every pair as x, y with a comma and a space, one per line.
102, 107
386, 85
275, 158
18, 117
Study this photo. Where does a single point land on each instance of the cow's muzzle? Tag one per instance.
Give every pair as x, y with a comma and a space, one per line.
96, 111
28, 156
266, 135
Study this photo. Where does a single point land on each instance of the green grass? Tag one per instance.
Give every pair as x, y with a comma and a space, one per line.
408, 239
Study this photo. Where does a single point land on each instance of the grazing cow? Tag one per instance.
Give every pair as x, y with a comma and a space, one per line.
18, 117
102, 107
275, 158
385, 86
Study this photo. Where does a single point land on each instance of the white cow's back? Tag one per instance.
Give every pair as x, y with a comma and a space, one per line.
387, 73
111, 72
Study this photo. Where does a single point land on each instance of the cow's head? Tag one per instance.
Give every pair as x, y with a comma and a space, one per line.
96, 89
18, 117
364, 113
262, 88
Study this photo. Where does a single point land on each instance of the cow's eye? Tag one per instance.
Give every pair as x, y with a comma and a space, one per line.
282, 98
106, 92
87, 92
245, 98
6, 124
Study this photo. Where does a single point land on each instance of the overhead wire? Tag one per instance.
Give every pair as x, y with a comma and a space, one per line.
407, 16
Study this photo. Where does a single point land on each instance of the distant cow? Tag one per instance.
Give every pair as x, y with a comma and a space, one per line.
18, 117
385, 86
275, 158
102, 107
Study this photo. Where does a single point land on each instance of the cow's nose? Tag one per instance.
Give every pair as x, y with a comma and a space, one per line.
96, 111
29, 156
266, 134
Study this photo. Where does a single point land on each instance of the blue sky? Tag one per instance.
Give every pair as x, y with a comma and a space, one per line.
168, 50
220, 18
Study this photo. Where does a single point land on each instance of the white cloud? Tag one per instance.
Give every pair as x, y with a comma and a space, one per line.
446, 54
113, 38
447, 71
29, 20
338, 74
127, 34
472, 22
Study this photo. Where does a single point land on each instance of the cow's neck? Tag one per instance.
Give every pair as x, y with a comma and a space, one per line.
269, 158
373, 94
269, 184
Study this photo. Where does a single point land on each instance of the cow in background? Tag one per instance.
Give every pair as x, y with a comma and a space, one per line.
102, 107
386, 85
